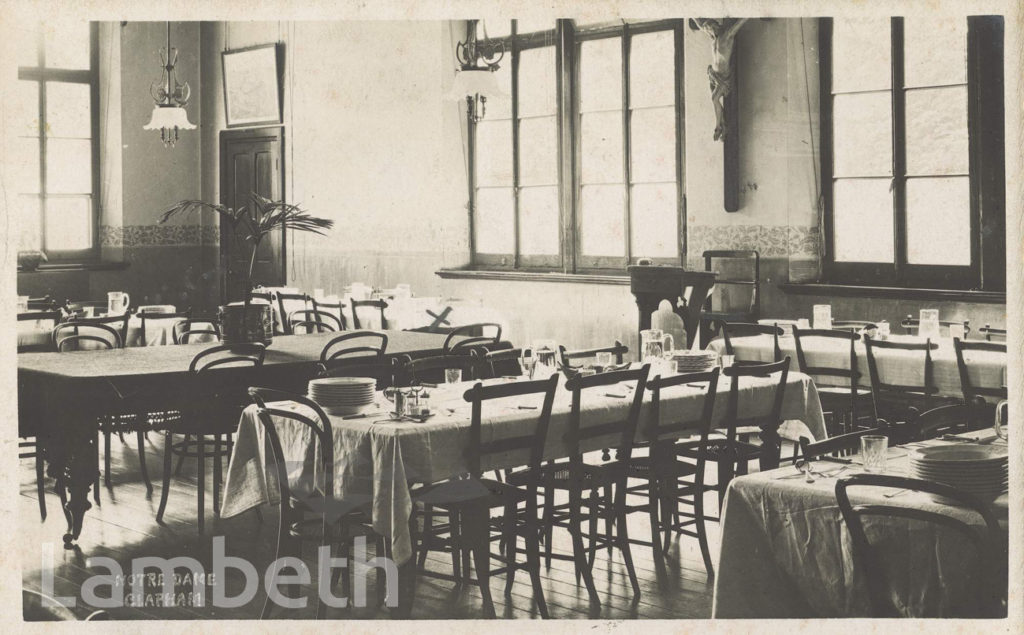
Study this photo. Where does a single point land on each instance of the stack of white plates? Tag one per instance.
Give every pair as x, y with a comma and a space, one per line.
978, 469
343, 395
694, 361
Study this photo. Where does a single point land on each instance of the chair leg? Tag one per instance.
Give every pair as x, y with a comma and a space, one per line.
106, 459
40, 482
455, 538
140, 436
594, 507
702, 534
166, 485
549, 522
216, 476
580, 557
533, 565
653, 500
724, 476
201, 478
607, 518
627, 555
96, 485
509, 531
184, 450
482, 561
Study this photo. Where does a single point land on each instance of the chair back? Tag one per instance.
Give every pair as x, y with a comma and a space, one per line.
840, 444
854, 326
988, 331
44, 303
233, 355
334, 309
185, 330
312, 320
618, 350
153, 316
662, 429
281, 298
53, 317
117, 322
319, 426
75, 307
740, 259
469, 336
380, 305
950, 419
768, 419
971, 392
868, 557
732, 330
504, 362
848, 372
355, 344
531, 439
885, 395
73, 333
216, 398
911, 324
432, 368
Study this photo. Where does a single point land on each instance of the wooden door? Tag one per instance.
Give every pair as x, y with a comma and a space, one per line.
250, 161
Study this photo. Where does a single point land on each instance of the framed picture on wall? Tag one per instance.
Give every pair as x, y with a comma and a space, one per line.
252, 92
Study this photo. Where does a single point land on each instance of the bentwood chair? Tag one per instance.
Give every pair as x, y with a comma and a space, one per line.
468, 502
358, 354
984, 593
843, 402
335, 309
199, 330
853, 326
838, 445
315, 517
669, 481
431, 369
587, 484
380, 305
503, 363
911, 324
729, 449
618, 351
733, 330
467, 337
210, 420
991, 332
312, 321
979, 398
902, 403
118, 324
43, 303
742, 270
286, 300
45, 319
151, 318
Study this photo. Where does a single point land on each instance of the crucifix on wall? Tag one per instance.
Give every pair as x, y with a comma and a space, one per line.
722, 77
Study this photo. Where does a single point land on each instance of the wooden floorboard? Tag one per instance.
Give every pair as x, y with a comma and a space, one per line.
124, 527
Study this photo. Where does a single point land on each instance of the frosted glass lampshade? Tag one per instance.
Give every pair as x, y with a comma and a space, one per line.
475, 82
169, 117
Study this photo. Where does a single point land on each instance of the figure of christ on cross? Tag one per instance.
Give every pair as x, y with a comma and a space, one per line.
723, 35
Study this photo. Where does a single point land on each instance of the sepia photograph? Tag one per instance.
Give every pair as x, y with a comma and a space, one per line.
602, 312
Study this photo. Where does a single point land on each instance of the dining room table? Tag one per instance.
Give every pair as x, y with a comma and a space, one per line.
379, 458
985, 368
786, 553
61, 396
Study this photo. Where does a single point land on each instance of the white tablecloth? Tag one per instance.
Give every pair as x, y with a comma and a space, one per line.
158, 333
785, 551
895, 367
378, 458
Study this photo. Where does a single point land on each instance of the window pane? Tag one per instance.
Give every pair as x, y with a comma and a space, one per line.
601, 147
493, 222
500, 106
68, 224
862, 134
653, 145
861, 54
494, 152
603, 232
538, 151
29, 227
538, 221
67, 110
937, 131
25, 108
654, 221
495, 28
26, 165
934, 51
601, 75
537, 82
533, 26
67, 44
68, 166
939, 221
862, 220
652, 69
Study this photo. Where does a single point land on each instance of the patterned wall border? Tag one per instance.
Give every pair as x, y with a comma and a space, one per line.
158, 235
769, 240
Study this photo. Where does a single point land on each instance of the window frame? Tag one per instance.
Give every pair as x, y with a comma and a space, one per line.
42, 75
567, 41
985, 205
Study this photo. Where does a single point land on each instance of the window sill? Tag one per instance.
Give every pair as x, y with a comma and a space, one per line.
532, 276
54, 267
895, 293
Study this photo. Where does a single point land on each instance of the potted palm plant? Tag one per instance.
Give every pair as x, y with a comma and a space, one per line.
245, 321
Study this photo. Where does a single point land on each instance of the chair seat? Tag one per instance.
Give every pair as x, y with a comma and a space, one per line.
334, 508
557, 475
470, 492
641, 466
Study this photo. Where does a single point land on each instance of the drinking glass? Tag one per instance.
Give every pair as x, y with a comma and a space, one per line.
928, 323
873, 449
956, 331
452, 375
527, 362
823, 316
604, 360
1002, 418
883, 330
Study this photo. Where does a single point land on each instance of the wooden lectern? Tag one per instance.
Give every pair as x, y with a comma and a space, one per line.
685, 290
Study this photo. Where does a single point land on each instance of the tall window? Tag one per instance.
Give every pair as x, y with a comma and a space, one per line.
580, 170
58, 152
903, 111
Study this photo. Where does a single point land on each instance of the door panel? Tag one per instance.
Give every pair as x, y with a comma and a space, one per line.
250, 162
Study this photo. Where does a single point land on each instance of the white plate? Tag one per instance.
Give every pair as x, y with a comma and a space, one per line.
959, 454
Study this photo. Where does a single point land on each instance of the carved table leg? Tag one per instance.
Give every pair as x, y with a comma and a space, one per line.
71, 454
